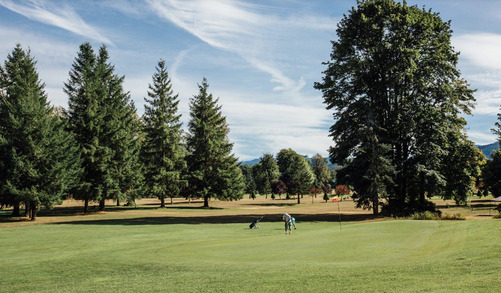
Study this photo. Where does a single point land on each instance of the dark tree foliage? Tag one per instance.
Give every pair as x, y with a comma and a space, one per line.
265, 172
296, 172
213, 169
39, 159
278, 187
463, 162
321, 170
104, 121
250, 184
163, 146
397, 96
491, 174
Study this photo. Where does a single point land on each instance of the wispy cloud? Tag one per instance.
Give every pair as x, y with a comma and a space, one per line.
56, 14
480, 50
247, 29
481, 138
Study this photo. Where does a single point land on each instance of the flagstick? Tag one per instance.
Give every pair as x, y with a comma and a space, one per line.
339, 213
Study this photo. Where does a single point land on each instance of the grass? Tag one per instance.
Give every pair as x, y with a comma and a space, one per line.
111, 253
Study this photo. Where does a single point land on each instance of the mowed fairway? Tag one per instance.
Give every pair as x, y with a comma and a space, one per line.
127, 253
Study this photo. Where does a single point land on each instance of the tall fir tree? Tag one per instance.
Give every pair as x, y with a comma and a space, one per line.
40, 159
123, 176
102, 117
213, 169
163, 149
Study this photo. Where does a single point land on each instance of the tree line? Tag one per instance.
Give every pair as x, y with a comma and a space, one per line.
99, 148
288, 173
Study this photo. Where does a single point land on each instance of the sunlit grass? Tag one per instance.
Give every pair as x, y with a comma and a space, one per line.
130, 256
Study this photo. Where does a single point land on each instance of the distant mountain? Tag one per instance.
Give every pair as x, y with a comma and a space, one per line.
255, 161
251, 162
489, 148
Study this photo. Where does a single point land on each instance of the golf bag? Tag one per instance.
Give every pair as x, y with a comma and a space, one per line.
254, 223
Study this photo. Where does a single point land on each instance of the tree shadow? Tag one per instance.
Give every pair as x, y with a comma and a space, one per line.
270, 204
220, 219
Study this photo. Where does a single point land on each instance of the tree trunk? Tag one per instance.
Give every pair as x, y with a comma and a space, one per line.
171, 201
206, 201
86, 206
298, 199
162, 202
27, 209
375, 206
33, 211
118, 202
101, 204
422, 191
16, 212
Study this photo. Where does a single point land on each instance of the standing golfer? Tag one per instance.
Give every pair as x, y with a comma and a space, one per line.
288, 223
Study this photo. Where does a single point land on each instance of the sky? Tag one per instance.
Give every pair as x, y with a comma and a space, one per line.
261, 58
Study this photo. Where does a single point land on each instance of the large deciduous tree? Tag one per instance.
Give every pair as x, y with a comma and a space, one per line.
321, 170
213, 169
39, 158
163, 148
396, 94
296, 172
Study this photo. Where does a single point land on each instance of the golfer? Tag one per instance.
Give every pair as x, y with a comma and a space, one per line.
288, 223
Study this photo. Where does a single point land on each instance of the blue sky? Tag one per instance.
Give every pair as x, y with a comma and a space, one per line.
260, 58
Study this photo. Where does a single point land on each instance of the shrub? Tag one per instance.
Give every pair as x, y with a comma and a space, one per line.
456, 216
426, 215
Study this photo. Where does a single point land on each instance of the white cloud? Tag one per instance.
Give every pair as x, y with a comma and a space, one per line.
56, 14
480, 50
481, 138
488, 102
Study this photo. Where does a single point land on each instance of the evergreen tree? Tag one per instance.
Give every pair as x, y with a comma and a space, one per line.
213, 170
266, 171
103, 119
396, 94
163, 149
250, 184
39, 160
491, 174
491, 171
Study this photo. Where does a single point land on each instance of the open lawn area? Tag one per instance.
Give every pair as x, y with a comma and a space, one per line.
183, 248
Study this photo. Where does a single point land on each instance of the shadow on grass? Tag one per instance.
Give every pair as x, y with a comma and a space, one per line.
271, 204
221, 219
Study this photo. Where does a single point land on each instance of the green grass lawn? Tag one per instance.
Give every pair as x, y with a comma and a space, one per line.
128, 256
